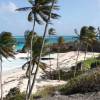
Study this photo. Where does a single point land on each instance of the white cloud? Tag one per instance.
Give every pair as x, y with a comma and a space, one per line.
10, 7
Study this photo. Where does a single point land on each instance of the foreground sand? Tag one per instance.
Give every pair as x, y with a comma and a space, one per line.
16, 77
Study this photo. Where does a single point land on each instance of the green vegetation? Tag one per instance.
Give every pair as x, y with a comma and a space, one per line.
88, 82
6, 50
82, 78
45, 92
91, 63
64, 75
40, 11
61, 40
67, 75
36, 51
15, 94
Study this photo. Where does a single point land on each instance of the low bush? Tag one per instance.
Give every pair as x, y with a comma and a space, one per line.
45, 92
92, 63
88, 82
63, 74
15, 94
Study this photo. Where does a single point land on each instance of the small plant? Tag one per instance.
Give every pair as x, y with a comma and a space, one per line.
15, 94
45, 92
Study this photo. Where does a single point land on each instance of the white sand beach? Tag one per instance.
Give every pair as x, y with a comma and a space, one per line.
14, 76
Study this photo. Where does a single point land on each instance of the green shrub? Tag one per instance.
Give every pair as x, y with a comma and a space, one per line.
88, 82
91, 63
15, 94
64, 75
45, 92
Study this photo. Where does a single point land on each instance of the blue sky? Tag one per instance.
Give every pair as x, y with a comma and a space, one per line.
74, 14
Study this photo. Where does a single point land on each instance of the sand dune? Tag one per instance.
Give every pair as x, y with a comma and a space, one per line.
15, 77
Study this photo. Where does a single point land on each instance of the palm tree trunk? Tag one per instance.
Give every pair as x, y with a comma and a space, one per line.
50, 57
1, 85
94, 56
77, 58
85, 52
58, 64
31, 58
45, 31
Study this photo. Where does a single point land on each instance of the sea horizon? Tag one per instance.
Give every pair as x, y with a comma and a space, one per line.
52, 40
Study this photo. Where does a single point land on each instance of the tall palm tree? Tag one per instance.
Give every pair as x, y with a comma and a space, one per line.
78, 47
51, 32
6, 50
51, 7
36, 51
86, 39
61, 42
39, 12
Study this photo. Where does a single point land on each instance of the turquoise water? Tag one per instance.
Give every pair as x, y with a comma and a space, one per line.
53, 39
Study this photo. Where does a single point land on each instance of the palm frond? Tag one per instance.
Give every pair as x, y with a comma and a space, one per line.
52, 31
30, 16
46, 2
42, 66
24, 9
25, 65
31, 2
43, 17
53, 15
37, 19
76, 32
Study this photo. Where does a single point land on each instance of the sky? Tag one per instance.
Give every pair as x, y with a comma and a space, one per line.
74, 15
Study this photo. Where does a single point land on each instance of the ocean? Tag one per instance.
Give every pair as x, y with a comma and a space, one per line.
10, 64
53, 39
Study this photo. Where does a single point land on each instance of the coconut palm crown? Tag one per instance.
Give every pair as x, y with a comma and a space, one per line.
40, 10
87, 36
6, 44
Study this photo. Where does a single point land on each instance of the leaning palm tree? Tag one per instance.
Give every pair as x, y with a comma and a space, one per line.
6, 50
39, 12
51, 7
36, 52
61, 42
86, 39
78, 47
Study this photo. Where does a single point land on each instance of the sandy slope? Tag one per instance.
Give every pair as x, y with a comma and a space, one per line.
15, 77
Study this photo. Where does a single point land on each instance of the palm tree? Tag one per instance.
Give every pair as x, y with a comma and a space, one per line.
51, 32
86, 39
78, 48
36, 51
51, 7
39, 9
61, 40
6, 50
